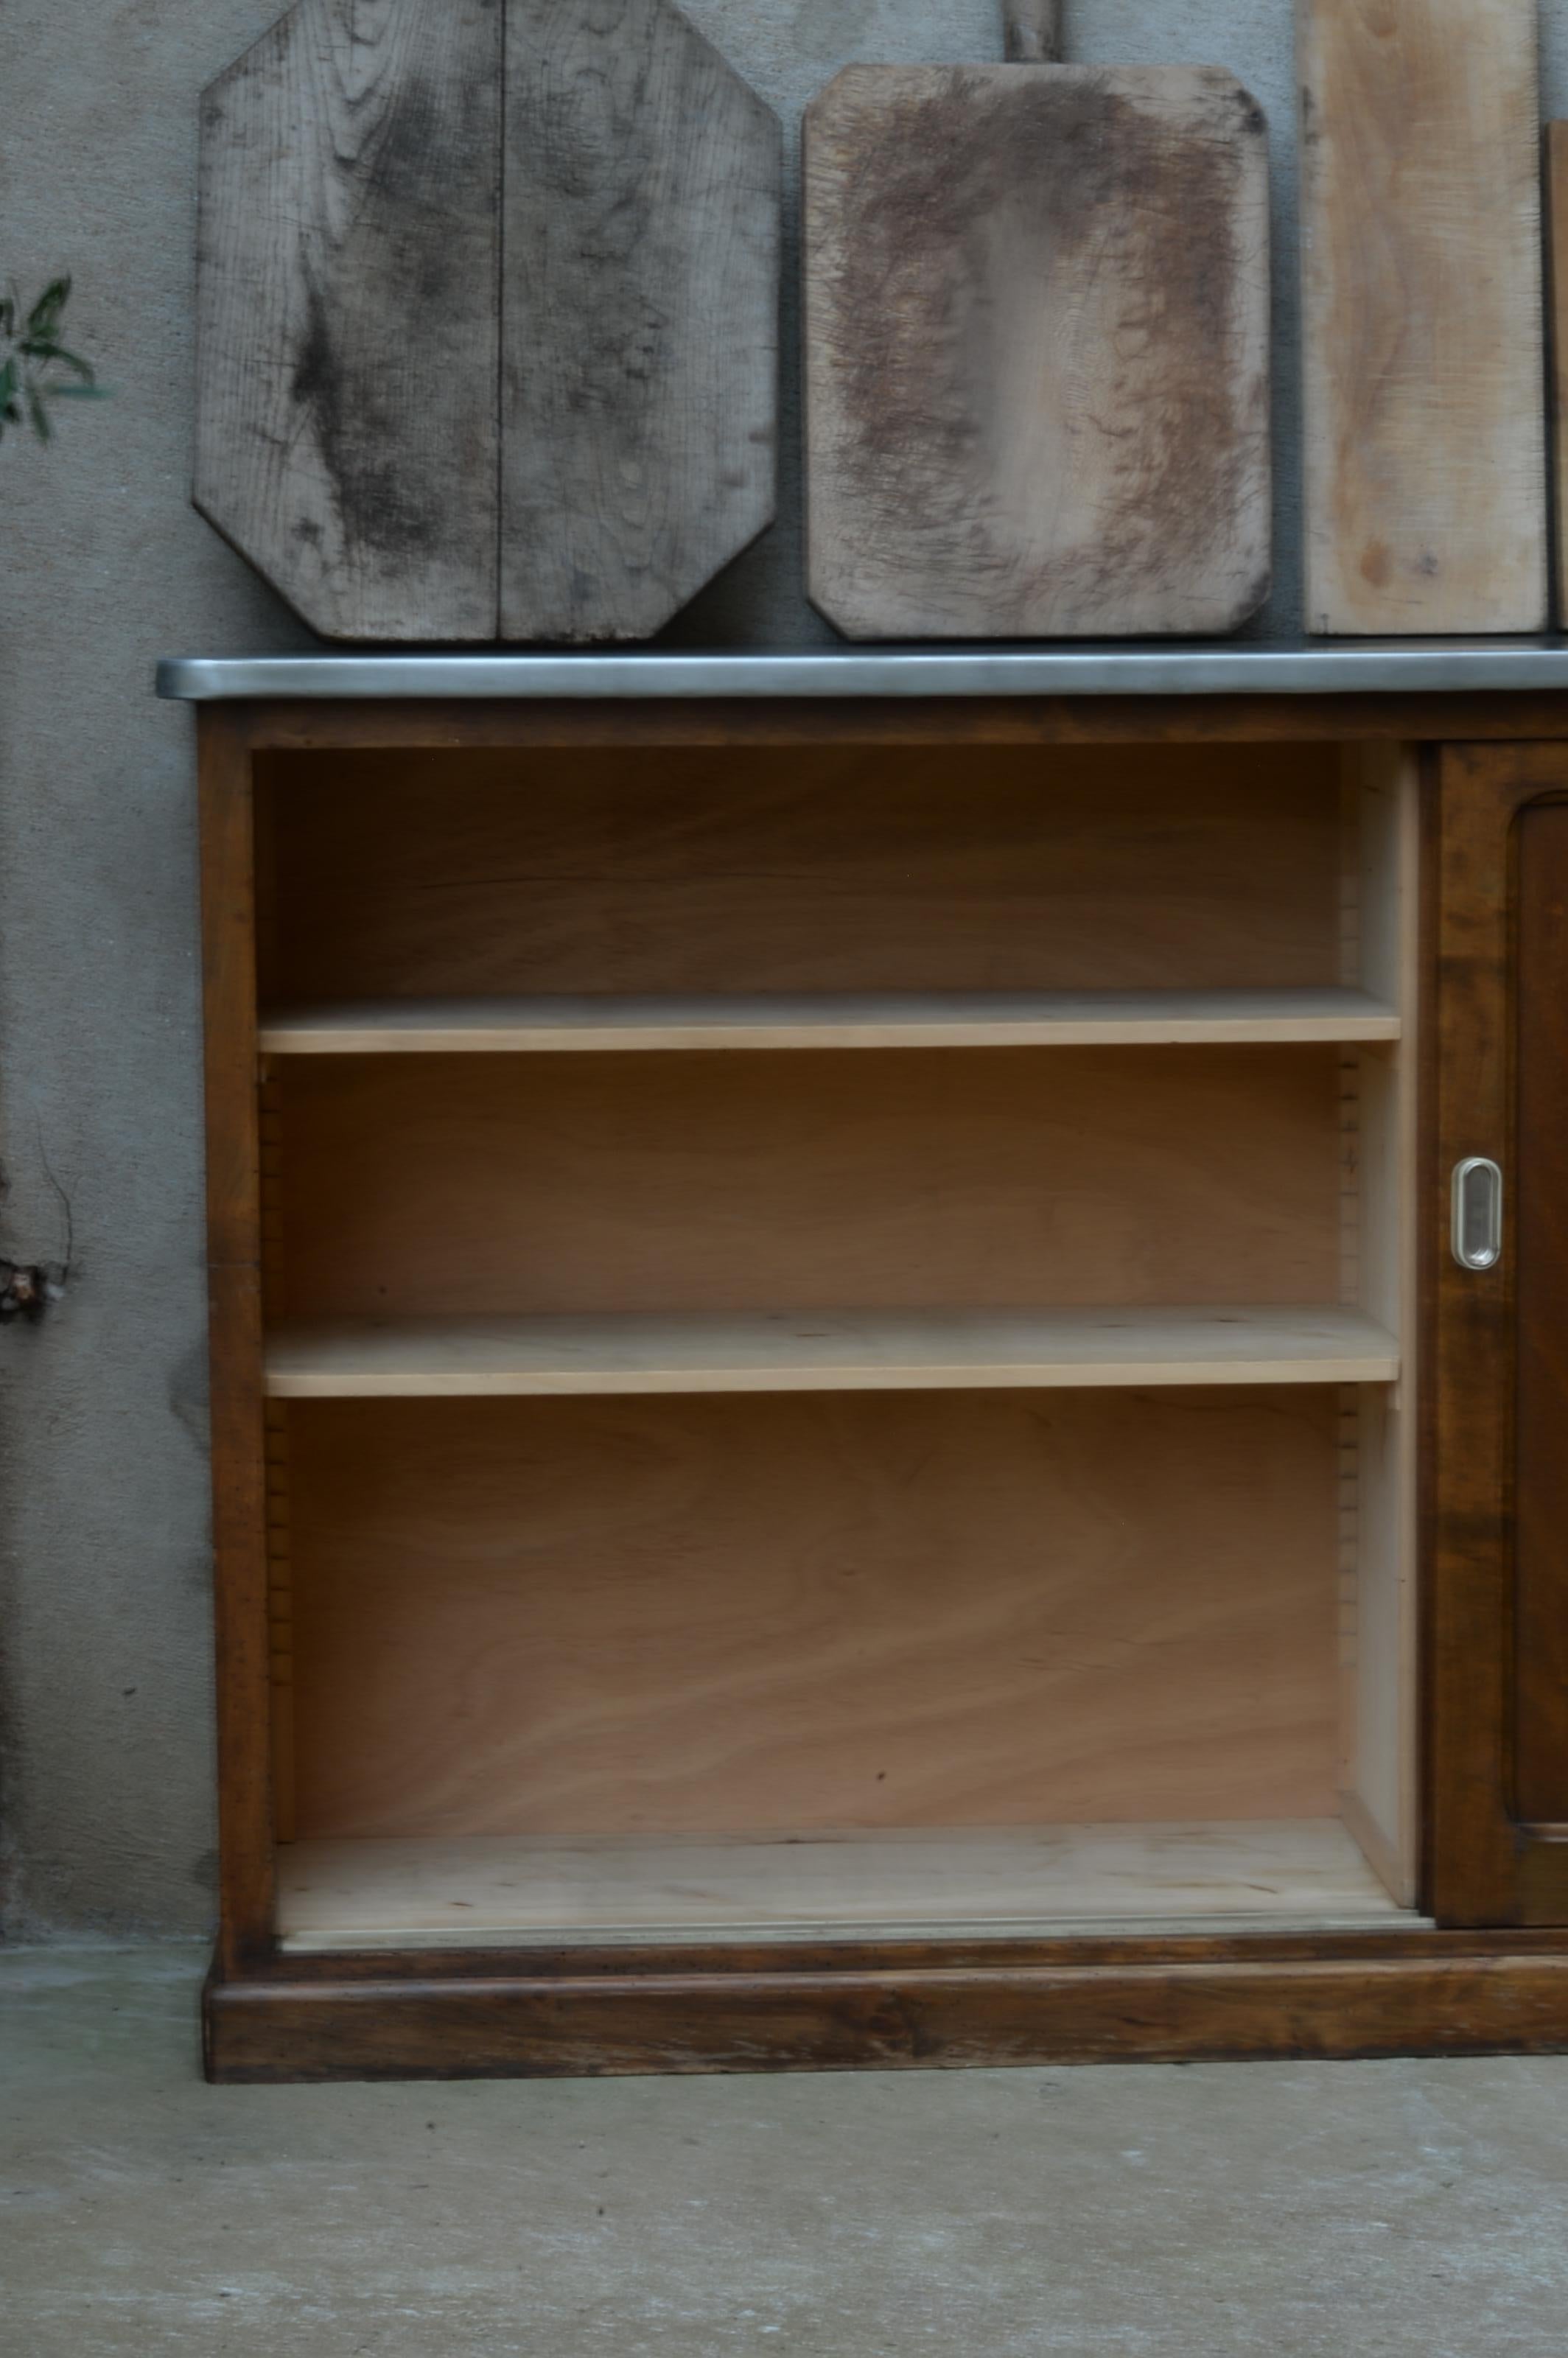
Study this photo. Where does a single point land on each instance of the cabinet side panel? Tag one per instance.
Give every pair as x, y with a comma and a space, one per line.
239, 1480
1383, 1737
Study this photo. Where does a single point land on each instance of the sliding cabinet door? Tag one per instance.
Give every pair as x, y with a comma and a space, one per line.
1498, 1251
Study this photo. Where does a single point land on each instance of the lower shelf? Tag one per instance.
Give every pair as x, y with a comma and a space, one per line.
508, 1891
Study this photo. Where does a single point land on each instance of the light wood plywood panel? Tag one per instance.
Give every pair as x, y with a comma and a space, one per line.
386, 1894
434, 1358
825, 868
414, 1187
1382, 1735
1426, 507
769, 1615
887, 1020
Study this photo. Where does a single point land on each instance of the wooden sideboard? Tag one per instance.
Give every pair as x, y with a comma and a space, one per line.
846, 1429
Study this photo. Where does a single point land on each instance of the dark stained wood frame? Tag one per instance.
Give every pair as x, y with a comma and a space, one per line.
299, 724
245, 1847
1470, 1987
1486, 1867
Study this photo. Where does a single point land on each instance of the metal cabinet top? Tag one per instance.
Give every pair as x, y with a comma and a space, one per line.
1362, 667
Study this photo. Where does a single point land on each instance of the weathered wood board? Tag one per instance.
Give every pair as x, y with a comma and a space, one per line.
1037, 351
1557, 331
347, 435
1421, 311
640, 333
489, 315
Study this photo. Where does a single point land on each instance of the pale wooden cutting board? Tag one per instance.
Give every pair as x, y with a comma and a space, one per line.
1422, 317
488, 299
1037, 348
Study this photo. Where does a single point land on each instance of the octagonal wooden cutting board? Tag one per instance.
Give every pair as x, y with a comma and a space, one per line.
487, 308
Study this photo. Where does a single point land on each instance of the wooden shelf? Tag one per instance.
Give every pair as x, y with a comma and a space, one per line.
870, 1019
430, 1358
513, 1890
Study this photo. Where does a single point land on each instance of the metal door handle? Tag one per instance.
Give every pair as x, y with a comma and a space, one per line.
1478, 1213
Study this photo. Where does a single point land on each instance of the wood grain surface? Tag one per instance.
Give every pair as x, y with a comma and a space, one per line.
583, 1617
908, 1882
1472, 1874
847, 867
1383, 1271
1537, 1182
640, 316
1036, 363
1495, 1737
610, 1025
1422, 317
245, 1788
415, 1186
347, 432
488, 312
821, 727
400, 2018
992, 1350
1556, 211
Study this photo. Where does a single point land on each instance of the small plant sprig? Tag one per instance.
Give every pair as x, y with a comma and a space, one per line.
34, 366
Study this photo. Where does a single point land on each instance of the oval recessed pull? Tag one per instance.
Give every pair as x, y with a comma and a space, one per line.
1478, 1213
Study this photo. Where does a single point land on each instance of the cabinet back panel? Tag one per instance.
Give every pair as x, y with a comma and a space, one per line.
1002, 1178
409, 875
767, 1615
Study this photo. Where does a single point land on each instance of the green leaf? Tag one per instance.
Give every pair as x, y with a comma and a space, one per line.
55, 356
43, 317
36, 367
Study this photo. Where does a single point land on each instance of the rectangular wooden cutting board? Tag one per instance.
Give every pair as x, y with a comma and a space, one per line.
1037, 349
1422, 317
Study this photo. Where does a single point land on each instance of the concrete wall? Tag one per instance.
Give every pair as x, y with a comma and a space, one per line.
106, 1800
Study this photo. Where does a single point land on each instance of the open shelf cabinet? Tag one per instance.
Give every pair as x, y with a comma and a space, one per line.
816, 1386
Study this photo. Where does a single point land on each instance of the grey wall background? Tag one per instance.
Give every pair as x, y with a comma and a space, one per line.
106, 1816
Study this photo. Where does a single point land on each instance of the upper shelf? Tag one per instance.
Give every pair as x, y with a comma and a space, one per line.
1359, 667
868, 1019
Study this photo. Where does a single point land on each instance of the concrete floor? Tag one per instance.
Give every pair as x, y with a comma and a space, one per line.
1356, 2209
